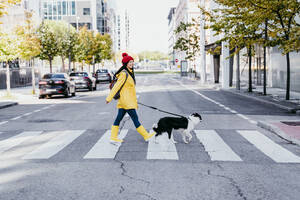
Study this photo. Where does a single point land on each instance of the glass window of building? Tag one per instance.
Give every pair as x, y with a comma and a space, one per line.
86, 11
64, 7
73, 8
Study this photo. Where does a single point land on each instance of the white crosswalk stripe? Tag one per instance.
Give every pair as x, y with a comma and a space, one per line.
216, 148
104, 149
270, 148
55, 145
16, 140
45, 146
161, 149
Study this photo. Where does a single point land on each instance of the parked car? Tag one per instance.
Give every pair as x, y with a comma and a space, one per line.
83, 80
103, 75
56, 84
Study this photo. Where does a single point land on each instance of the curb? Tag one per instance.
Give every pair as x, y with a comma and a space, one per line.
277, 131
6, 105
289, 109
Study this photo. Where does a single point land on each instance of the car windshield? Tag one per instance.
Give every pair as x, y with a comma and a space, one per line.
49, 76
79, 74
102, 71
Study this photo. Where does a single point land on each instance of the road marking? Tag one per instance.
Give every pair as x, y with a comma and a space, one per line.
37, 111
16, 140
55, 145
104, 148
270, 148
219, 104
162, 149
27, 114
215, 146
4, 122
16, 118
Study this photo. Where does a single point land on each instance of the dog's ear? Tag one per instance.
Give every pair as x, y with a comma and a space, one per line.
197, 115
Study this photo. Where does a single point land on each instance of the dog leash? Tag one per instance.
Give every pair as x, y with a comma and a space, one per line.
161, 110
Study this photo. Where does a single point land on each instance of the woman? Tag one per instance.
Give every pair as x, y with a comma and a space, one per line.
127, 102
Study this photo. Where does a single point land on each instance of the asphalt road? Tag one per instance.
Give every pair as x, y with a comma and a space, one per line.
57, 148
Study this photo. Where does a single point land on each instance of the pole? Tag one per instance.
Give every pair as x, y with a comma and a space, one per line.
69, 70
32, 75
7, 79
265, 58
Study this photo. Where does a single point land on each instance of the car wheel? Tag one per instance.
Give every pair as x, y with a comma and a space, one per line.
67, 94
41, 96
74, 94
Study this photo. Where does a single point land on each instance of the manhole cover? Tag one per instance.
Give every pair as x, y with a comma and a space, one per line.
43, 121
292, 123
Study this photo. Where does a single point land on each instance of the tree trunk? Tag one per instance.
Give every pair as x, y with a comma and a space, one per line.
50, 61
250, 71
288, 73
63, 63
7, 79
238, 81
231, 62
265, 70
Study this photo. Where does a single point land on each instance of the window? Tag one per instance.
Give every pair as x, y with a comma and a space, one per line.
86, 11
59, 8
64, 7
73, 8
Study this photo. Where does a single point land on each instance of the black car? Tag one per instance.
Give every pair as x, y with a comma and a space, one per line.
102, 75
56, 84
83, 81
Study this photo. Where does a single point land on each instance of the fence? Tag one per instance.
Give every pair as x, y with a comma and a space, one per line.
18, 77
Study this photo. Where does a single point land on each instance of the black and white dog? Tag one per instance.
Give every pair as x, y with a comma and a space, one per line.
183, 124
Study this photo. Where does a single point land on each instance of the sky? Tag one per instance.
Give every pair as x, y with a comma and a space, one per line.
149, 24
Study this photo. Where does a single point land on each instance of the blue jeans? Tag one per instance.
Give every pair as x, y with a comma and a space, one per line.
132, 113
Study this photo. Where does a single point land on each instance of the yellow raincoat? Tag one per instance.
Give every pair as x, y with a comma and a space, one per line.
127, 98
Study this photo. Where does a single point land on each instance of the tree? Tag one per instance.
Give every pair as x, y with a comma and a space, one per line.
8, 52
65, 36
240, 26
152, 55
285, 28
188, 40
30, 45
49, 43
6, 3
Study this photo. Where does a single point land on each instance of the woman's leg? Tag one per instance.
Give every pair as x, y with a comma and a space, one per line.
120, 116
115, 126
132, 113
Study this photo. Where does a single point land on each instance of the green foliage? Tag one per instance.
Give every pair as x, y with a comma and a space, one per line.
8, 47
152, 55
6, 3
30, 45
49, 43
188, 40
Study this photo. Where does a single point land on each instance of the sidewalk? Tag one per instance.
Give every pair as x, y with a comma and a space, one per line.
18, 95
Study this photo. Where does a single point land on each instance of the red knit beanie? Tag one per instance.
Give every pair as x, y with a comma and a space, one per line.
126, 58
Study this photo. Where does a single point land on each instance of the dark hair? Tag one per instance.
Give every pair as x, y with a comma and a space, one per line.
125, 67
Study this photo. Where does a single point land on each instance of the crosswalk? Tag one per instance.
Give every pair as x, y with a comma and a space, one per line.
209, 142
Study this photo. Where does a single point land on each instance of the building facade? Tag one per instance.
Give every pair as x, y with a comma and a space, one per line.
171, 37
185, 12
